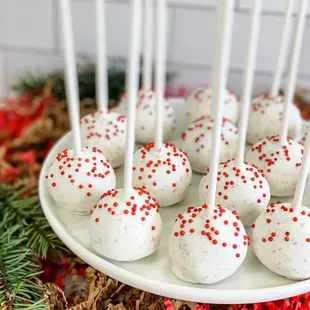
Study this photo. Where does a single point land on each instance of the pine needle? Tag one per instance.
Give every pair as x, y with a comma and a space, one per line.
33, 225
19, 268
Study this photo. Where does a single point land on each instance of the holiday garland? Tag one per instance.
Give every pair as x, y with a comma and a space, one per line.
30, 252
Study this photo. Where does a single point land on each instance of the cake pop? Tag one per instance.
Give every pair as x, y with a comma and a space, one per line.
242, 187
281, 234
77, 177
199, 103
280, 156
208, 244
197, 143
281, 240
104, 129
266, 114
125, 225
164, 172
265, 118
279, 162
76, 182
161, 168
145, 120
125, 228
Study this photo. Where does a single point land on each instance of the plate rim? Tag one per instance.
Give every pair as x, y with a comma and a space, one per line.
207, 295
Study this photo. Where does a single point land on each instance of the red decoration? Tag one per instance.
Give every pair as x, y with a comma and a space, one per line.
19, 113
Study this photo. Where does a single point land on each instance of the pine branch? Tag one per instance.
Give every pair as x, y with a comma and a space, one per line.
33, 225
34, 81
19, 287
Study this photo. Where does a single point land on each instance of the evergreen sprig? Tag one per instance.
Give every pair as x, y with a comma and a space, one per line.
19, 268
30, 82
33, 226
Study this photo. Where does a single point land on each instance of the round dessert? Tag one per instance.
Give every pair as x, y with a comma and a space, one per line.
279, 163
197, 143
165, 172
241, 188
76, 183
126, 228
199, 103
281, 240
107, 131
145, 123
265, 118
207, 246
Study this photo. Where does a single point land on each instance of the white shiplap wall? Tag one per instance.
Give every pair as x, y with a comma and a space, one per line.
30, 39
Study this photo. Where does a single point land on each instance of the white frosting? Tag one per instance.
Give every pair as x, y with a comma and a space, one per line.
281, 240
197, 143
207, 246
281, 165
241, 188
126, 228
265, 118
146, 116
165, 173
305, 127
105, 130
199, 104
76, 184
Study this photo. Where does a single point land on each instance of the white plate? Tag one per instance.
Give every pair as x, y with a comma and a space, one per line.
251, 283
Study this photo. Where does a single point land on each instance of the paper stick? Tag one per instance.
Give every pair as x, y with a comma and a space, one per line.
72, 91
160, 73
133, 84
282, 56
148, 44
248, 80
291, 81
220, 72
304, 170
102, 95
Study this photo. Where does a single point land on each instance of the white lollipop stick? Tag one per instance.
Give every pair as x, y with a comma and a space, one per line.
72, 91
148, 44
248, 80
283, 49
304, 170
161, 19
101, 70
291, 81
220, 72
133, 84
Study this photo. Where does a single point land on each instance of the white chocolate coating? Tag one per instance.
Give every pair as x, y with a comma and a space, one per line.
76, 184
305, 126
240, 188
280, 164
126, 228
146, 117
207, 246
197, 143
105, 130
165, 173
265, 118
199, 103
281, 240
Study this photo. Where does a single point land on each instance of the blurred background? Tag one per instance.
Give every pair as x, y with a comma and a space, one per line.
30, 40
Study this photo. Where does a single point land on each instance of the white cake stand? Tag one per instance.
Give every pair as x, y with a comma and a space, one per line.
251, 283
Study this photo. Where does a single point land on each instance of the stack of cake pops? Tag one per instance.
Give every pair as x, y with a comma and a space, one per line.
208, 242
